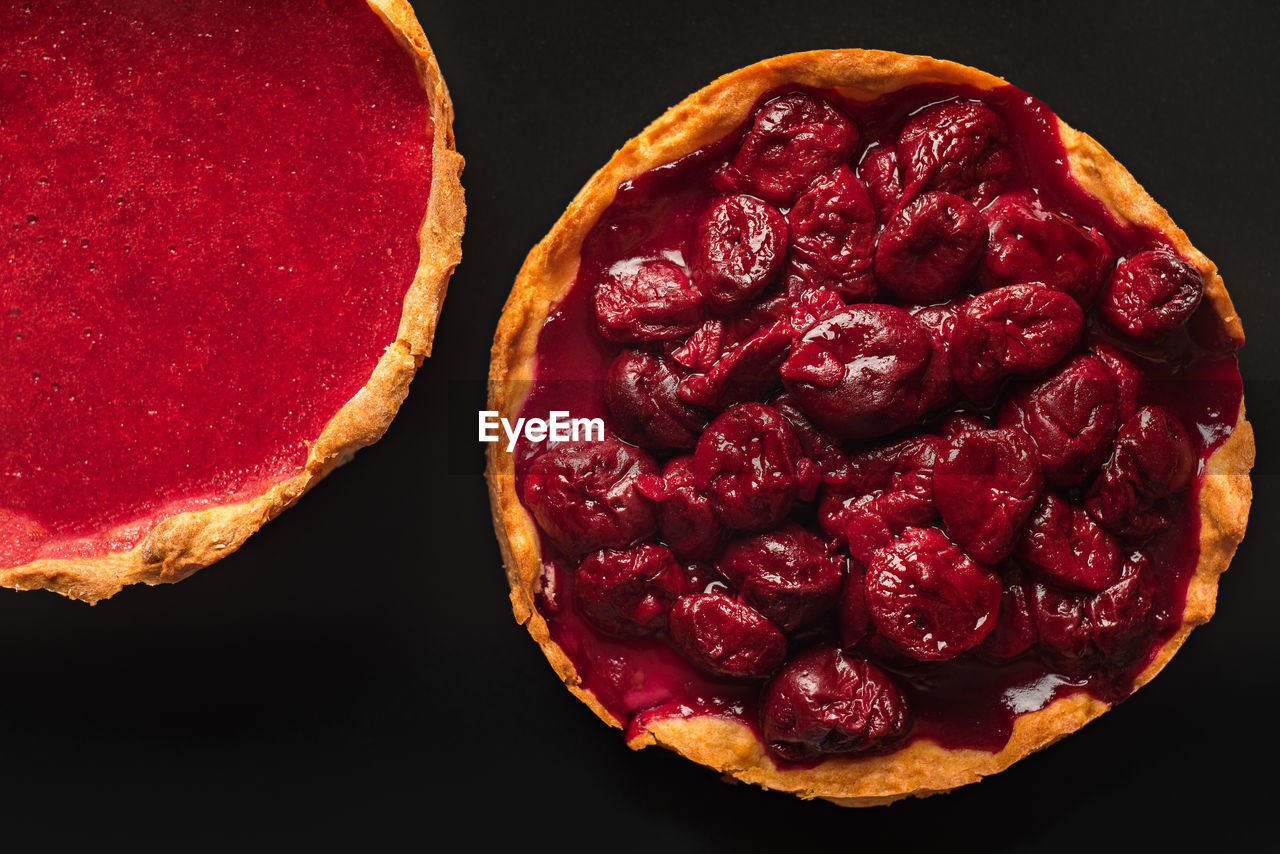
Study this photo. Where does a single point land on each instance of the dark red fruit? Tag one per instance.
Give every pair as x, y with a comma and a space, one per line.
723, 635
789, 575
958, 147
629, 592
1015, 630
879, 172
986, 487
1151, 294
860, 373
644, 409
929, 598
793, 139
748, 462
855, 619
939, 386
1072, 417
832, 233
1031, 244
893, 482
689, 525
583, 495
1075, 629
1066, 548
928, 251
647, 301
1123, 374
821, 447
743, 372
1153, 460
825, 701
700, 350
1017, 329
1121, 613
740, 245
962, 422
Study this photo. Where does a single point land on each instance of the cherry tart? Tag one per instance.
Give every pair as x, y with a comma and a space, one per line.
228, 228
925, 439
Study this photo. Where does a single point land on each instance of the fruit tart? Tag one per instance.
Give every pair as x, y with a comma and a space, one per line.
227, 227
924, 440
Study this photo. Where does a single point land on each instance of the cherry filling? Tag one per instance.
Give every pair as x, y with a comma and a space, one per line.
861, 373
178, 322
945, 417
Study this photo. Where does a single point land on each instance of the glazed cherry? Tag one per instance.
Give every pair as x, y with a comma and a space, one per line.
740, 245
958, 147
1151, 294
789, 575
1075, 629
748, 463
1153, 459
823, 449
825, 701
986, 487
644, 408
743, 371
879, 172
928, 251
940, 390
832, 229
892, 482
1066, 548
1031, 244
725, 636
1015, 629
1123, 374
583, 496
1072, 415
855, 619
860, 373
629, 592
688, 524
792, 140
962, 422
929, 598
1017, 329
647, 301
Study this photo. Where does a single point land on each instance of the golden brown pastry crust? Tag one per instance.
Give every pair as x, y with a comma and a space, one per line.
920, 768
181, 544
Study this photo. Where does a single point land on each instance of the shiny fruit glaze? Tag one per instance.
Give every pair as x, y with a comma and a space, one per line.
991, 462
207, 228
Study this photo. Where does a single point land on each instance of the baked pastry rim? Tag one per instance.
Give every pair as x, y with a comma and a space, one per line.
922, 767
177, 546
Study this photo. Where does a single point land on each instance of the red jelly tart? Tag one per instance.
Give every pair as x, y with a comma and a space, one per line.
925, 439
226, 231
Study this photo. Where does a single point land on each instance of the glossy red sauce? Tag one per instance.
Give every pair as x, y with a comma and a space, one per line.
208, 223
964, 703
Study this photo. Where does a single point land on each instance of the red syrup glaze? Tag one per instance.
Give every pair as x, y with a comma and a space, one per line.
963, 703
208, 224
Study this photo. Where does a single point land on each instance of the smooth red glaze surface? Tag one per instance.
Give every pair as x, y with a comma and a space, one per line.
208, 225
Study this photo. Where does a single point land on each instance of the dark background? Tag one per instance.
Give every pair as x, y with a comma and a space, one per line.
353, 675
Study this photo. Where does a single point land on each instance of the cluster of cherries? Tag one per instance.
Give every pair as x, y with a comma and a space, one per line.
819, 313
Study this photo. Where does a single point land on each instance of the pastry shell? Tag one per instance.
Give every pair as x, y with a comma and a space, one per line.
177, 546
921, 767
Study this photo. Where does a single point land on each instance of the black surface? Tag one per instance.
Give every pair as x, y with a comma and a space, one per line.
353, 675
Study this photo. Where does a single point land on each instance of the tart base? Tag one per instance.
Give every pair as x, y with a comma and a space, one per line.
180, 544
921, 768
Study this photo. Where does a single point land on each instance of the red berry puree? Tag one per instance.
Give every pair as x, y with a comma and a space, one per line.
207, 228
